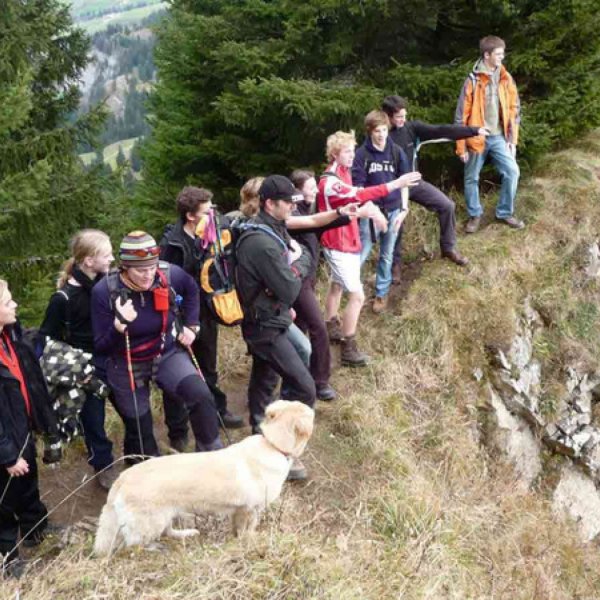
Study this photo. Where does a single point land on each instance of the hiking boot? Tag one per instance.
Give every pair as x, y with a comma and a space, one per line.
396, 273
179, 444
472, 224
297, 471
334, 330
456, 257
380, 304
216, 444
231, 421
37, 537
512, 222
351, 355
325, 392
15, 568
106, 478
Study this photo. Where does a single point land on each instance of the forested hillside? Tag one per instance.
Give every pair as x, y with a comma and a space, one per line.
253, 87
45, 193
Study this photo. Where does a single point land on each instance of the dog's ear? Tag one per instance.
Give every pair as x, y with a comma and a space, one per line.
303, 428
288, 426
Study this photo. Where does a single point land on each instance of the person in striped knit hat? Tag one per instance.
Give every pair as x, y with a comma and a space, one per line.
139, 302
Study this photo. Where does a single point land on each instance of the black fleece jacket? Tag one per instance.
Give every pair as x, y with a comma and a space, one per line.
413, 132
15, 423
268, 285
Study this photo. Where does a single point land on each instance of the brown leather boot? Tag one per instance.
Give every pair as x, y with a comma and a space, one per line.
380, 304
351, 355
396, 273
472, 224
334, 330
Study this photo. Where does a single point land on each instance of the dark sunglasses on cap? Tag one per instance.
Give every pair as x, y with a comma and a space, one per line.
142, 252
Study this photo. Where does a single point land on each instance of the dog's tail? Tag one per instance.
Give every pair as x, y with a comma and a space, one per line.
108, 536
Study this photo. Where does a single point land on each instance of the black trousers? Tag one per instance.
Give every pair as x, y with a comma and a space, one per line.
310, 319
273, 356
21, 508
434, 200
205, 350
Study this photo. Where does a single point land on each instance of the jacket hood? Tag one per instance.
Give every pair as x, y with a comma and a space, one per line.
480, 68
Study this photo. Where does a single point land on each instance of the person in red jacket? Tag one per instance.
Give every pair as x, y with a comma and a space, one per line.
342, 245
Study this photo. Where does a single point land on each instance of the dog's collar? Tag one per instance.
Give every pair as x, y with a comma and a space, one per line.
287, 455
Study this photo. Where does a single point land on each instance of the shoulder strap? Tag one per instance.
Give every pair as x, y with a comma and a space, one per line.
246, 227
63, 292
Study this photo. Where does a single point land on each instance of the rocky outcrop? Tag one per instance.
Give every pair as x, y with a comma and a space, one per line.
519, 428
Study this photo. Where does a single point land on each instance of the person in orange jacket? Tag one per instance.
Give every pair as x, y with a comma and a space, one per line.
489, 99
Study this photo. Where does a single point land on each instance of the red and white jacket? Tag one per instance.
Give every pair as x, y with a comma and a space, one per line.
336, 189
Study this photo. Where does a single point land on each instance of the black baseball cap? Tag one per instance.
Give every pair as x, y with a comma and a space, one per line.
278, 187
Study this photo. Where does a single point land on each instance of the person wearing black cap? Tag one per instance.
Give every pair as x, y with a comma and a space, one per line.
270, 270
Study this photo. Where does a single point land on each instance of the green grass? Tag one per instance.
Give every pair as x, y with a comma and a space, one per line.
403, 500
128, 18
110, 152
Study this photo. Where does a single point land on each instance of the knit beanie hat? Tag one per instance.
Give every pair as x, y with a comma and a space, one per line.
138, 249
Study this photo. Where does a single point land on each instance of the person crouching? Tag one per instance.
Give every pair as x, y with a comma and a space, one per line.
134, 318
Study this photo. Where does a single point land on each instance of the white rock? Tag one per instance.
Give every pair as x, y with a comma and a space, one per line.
576, 496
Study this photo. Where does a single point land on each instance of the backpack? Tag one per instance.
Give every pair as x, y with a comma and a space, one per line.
218, 270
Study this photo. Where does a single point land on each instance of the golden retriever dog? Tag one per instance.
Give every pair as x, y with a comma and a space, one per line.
240, 480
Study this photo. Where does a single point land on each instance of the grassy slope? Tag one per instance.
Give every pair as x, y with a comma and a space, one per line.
128, 17
403, 501
110, 152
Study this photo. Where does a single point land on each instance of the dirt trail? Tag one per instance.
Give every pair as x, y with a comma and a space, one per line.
85, 505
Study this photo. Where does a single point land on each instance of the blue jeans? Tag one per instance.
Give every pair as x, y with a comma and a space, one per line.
495, 146
303, 347
387, 241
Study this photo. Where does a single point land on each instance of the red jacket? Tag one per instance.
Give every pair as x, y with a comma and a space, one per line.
336, 189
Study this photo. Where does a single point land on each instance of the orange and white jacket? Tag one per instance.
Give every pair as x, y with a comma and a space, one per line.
471, 106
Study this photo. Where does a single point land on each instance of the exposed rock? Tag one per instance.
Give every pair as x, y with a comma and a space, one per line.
593, 268
576, 495
514, 399
513, 437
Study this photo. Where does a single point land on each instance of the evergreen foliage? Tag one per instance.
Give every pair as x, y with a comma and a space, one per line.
255, 86
45, 193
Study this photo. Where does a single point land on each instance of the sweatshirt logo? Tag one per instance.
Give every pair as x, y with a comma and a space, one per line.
386, 167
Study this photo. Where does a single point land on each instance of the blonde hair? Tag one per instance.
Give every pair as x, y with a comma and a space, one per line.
250, 200
3, 289
337, 141
87, 242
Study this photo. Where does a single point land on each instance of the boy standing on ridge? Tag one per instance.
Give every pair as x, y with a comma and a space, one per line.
379, 161
407, 135
489, 99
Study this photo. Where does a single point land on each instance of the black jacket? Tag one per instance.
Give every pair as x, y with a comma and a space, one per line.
178, 248
268, 286
15, 424
413, 132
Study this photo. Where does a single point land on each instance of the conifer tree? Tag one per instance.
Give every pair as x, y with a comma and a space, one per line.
254, 86
45, 192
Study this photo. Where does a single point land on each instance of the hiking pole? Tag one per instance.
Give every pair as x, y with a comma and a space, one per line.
132, 386
421, 144
222, 423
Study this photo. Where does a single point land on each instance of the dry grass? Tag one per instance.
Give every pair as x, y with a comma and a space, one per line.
403, 501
